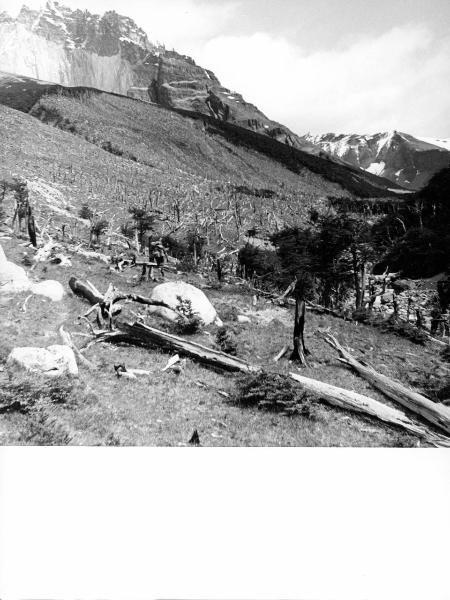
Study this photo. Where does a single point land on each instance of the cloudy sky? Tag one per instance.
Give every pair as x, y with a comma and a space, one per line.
314, 65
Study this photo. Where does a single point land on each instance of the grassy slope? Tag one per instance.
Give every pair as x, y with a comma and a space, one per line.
165, 409
180, 162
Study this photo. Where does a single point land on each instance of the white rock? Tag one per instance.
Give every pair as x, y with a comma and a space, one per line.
53, 361
49, 288
243, 319
14, 279
168, 292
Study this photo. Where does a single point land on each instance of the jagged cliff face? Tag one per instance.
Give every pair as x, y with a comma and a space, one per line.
400, 157
76, 48
111, 53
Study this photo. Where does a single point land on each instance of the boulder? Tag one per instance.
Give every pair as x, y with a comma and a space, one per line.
169, 292
13, 279
53, 361
49, 288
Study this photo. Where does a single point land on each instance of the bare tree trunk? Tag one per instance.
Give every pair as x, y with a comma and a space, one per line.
300, 352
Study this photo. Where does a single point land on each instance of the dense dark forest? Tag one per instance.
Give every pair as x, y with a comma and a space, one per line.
340, 245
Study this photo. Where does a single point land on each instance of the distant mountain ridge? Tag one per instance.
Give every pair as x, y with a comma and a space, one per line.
404, 159
111, 53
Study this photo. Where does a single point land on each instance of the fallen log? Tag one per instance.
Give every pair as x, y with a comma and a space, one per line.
435, 413
365, 405
140, 334
143, 335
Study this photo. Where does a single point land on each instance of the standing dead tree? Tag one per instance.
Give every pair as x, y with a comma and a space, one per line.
300, 351
23, 213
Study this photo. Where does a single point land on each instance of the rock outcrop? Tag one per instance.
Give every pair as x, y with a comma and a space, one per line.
170, 292
400, 157
111, 53
53, 361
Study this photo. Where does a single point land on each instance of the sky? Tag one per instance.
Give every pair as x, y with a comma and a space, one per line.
344, 66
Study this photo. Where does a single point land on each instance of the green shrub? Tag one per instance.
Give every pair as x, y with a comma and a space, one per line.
226, 340
227, 312
271, 391
445, 354
188, 322
85, 212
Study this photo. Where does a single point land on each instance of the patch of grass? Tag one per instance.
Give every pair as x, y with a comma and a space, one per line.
43, 429
392, 325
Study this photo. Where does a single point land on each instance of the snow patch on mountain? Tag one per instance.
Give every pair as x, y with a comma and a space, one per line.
377, 168
442, 143
400, 157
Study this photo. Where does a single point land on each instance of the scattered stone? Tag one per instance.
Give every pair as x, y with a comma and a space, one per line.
53, 361
243, 319
50, 289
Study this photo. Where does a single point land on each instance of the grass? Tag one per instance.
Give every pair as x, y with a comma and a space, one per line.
165, 408
177, 163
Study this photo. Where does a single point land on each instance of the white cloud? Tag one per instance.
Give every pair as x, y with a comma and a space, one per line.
399, 80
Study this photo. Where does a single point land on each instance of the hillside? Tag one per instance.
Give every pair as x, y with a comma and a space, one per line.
182, 165
399, 157
178, 153
164, 408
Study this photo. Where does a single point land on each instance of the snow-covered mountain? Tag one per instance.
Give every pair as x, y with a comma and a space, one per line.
400, 157
111, 53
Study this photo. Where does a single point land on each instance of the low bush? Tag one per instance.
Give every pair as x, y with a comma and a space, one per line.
23, 394
188, 322
271, 391
85, 212
226, 340
227, 311
445, 354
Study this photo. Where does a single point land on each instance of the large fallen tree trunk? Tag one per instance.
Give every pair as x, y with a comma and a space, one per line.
435, 413
365, 405
143, 335
137, 333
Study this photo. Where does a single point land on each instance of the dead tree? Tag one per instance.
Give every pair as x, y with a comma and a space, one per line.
300, 352
31, 225
219, 269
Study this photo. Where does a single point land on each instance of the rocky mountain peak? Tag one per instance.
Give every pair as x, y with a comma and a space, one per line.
400, 157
